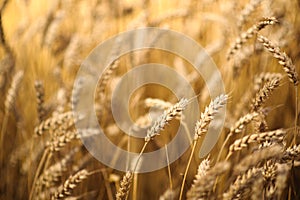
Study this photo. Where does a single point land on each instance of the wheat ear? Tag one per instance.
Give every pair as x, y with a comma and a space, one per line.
248, 9
201, 187
40, 99
165, 118
70, 184
241, 183
283, 59
274, 151
201, 129
237, 128
245, 36
9, 102
239, 144
264, 93
123, 191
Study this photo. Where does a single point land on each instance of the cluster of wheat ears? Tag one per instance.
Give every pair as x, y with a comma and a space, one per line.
254, 43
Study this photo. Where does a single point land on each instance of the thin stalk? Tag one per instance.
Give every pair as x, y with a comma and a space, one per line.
223, 146
38, 171
169, 169
187, 169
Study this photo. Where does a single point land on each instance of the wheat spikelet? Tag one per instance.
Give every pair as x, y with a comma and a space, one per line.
201, 172
241, 60
292, 153
208, 115
264, 77
264, 93
59, 141
52, 30
72, 52
3, 41
203, 168
12, 91
52, 123
203, 186
241, 183
124, 189
53, 174
260, 123
245, 36
70, 184
167, 116
239, 144
105, 78
269, 171
248, 9
40, 98
282, 58
239, 126
253, 159
157, 103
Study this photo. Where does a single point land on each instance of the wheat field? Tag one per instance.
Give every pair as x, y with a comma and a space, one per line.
255, 45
